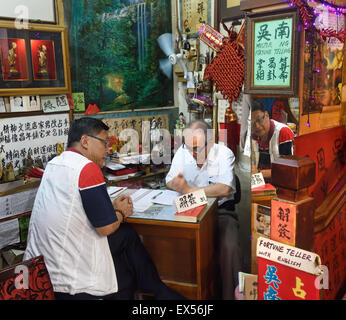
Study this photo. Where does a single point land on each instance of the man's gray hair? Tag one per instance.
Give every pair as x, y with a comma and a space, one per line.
200, 124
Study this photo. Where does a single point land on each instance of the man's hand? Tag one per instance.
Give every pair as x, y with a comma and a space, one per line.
179, 184
124, 204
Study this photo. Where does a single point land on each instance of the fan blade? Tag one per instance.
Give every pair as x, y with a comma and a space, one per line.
166, 67
165, 43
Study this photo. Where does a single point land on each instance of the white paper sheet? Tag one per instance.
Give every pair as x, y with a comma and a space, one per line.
166, 197
143, 199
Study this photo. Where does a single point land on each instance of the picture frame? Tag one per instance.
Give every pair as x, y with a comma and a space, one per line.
229, 10
45, 57
272, 62
33, 11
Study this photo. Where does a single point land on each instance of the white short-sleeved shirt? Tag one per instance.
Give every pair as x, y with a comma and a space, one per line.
217, 168
78, 259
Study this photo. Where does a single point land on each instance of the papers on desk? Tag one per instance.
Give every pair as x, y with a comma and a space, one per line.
143, 199
166, 197
114, 166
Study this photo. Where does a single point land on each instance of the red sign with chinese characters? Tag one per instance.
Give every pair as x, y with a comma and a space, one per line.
280, 282
286, 272
283, 222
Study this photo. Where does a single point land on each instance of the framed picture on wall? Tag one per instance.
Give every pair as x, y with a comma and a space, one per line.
34, 11
34, 61
272, 55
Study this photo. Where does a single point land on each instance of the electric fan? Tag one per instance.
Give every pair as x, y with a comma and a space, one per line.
166, 65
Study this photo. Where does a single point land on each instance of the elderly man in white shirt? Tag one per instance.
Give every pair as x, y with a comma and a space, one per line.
200, 163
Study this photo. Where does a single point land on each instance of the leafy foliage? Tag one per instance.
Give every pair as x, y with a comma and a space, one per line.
104, 43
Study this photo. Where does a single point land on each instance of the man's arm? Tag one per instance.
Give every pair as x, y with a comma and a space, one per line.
180, 184
110, 228
103, 215
123, 208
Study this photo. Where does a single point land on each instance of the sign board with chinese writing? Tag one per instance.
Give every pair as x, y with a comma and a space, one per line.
34, 135
286, 272
190, 200
257, 180
283, 221
55, 103
17, 203
272, 61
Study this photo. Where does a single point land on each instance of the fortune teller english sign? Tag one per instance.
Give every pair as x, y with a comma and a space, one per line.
286, 272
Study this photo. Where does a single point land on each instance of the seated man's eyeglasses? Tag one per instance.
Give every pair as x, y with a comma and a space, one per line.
106, 142
257, 121
196, 150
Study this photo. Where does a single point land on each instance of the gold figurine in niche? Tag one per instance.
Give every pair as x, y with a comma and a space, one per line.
12, 58
42, 61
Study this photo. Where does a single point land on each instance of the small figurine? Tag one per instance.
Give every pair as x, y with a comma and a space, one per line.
180, 123
60, 148
9, 173
12, 57
154, 132
39, 163
42, 60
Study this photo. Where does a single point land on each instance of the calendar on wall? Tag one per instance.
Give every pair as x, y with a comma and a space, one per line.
194, 13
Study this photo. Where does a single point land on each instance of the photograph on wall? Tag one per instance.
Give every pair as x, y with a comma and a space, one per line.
19, 103
194, 14
13, 59
43, 59
115, 55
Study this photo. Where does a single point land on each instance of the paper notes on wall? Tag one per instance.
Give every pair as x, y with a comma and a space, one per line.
55, 103
78, 101
25, 103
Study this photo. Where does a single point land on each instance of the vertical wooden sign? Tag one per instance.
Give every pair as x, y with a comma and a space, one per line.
283, 221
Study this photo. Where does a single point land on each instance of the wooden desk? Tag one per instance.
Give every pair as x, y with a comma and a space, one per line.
183, 253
